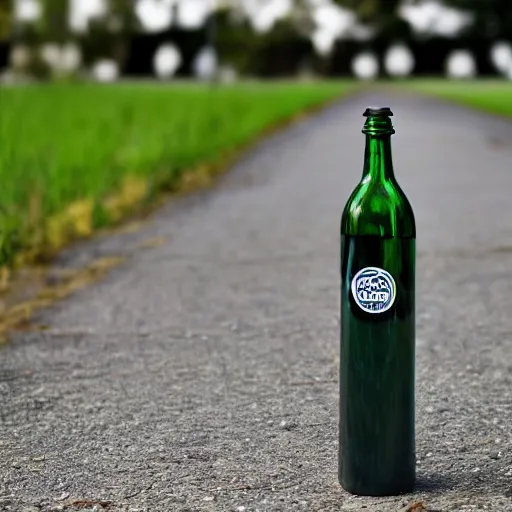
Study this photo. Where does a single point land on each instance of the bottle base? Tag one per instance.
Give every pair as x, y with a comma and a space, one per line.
377, 491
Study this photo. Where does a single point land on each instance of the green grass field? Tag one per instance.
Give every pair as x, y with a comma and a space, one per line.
74, 158
77, 157
488, 95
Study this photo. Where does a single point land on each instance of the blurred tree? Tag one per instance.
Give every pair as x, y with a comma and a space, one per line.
5, 19
277, 52
122, 23
493, 18
109, 35
235, 41
53, 24
281, 51
380, 14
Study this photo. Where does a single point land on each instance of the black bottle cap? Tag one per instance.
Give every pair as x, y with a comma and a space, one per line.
378, 112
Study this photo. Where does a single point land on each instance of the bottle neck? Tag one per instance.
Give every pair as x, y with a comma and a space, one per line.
378, 162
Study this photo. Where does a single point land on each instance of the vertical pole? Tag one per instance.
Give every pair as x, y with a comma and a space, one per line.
211, 36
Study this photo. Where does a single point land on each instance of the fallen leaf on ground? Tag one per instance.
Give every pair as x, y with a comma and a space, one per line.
417, 506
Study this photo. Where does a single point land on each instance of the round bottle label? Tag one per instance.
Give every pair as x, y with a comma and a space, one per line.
374, 290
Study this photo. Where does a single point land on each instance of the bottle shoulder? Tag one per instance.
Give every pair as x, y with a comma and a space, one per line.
378, 208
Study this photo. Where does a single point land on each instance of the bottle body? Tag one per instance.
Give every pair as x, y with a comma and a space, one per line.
377, 351
377, 327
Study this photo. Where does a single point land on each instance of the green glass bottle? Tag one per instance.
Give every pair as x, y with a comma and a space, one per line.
377, 335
